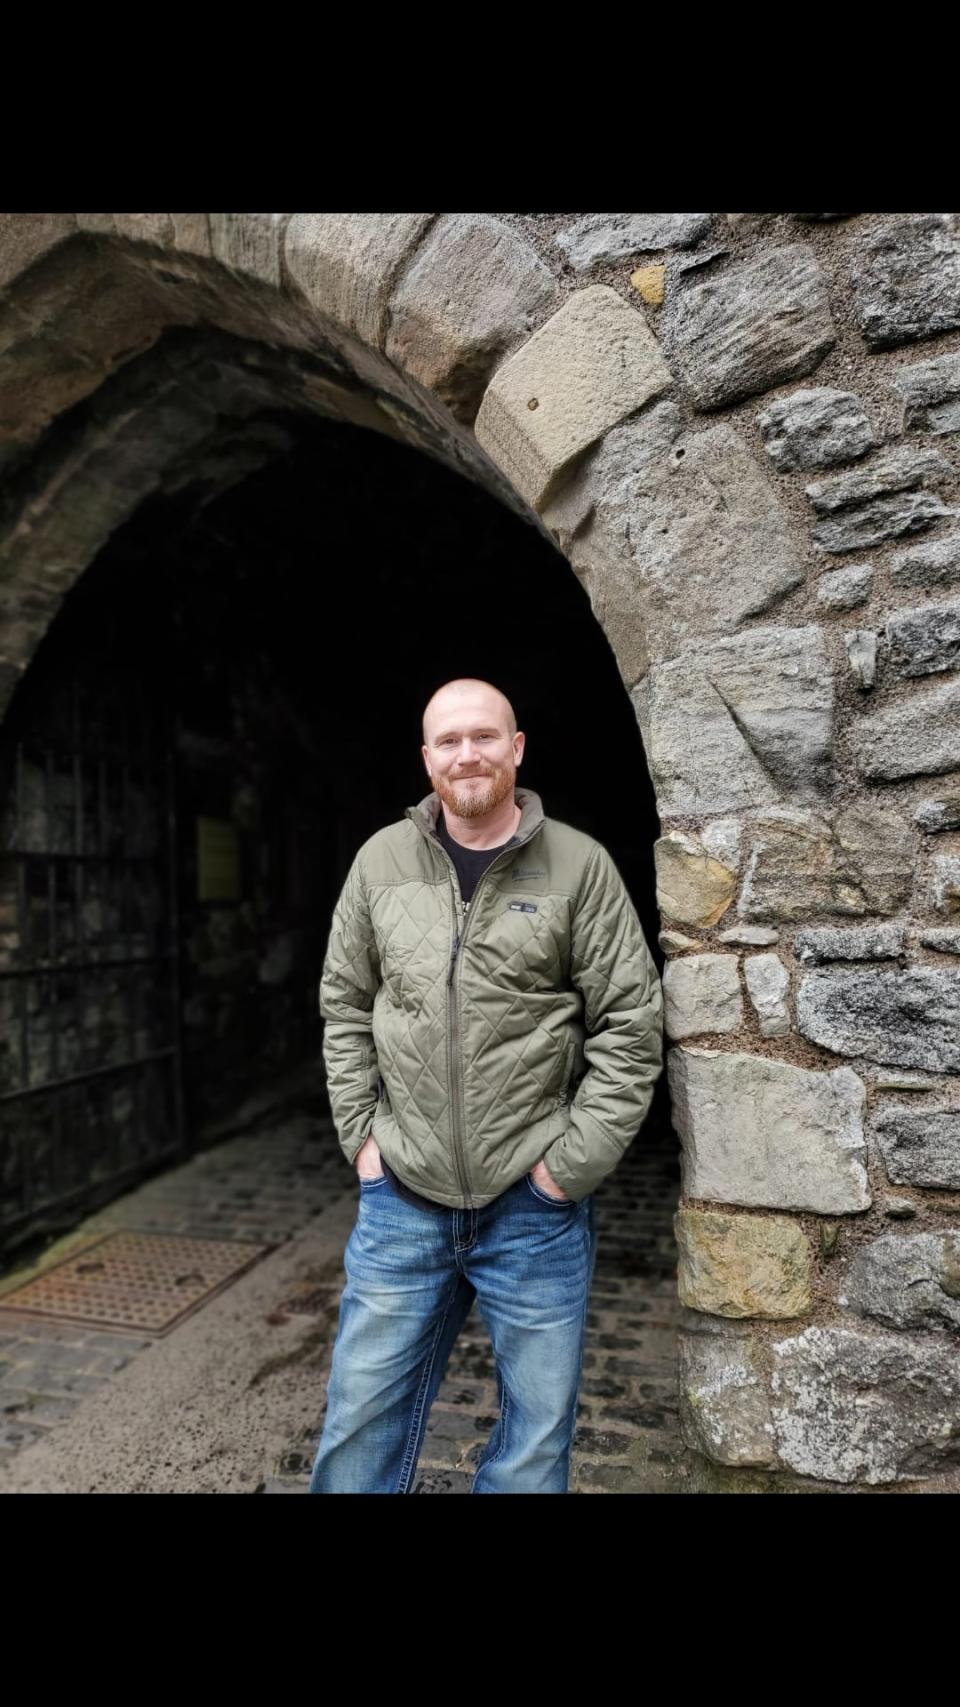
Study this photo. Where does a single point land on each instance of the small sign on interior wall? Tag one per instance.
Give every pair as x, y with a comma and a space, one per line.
218, 860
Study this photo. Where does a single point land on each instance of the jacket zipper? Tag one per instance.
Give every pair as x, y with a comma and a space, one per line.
453, 1030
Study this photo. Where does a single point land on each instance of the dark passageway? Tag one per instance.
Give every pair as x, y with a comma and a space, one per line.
226, 706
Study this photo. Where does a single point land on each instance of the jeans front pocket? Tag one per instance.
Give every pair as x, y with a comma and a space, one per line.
544, 1197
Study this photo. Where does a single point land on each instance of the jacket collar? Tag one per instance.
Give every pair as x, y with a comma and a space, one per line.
426, 815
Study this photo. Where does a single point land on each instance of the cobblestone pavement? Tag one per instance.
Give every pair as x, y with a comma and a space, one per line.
266, 1185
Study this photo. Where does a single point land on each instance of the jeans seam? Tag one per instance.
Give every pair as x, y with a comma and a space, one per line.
591, 1261
414, 1436
504, 1406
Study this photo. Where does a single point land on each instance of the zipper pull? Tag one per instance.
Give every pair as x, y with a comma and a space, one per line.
453, 958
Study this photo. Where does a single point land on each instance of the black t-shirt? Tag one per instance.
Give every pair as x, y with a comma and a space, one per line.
471, 863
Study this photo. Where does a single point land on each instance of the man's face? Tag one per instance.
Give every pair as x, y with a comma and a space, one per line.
470, 756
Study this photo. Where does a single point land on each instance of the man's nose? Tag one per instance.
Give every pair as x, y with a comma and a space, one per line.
467, 752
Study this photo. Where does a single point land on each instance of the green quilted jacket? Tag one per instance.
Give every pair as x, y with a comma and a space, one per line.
472, 1040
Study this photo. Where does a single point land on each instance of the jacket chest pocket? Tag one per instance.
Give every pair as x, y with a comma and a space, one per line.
413, 948
516, 946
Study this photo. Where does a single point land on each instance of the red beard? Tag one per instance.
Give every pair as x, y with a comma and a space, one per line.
476, 804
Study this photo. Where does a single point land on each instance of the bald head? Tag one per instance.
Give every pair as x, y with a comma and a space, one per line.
466, 694
471, 750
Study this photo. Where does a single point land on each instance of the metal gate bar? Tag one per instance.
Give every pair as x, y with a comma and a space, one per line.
55, 983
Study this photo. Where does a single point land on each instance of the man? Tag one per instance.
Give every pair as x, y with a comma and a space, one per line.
493, 1036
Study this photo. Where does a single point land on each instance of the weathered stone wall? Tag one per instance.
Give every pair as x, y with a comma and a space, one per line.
742, 432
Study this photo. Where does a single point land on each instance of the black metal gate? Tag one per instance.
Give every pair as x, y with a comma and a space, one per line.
90, 1060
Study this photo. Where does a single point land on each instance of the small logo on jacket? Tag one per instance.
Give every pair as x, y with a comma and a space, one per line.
521, 907
527, 871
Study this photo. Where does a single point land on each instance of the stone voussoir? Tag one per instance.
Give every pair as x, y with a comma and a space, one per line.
592, 363
472, 292
346, 264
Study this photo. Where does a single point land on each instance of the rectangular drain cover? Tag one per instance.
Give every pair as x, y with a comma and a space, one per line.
128, 1280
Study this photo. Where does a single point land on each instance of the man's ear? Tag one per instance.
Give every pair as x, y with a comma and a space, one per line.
426, 761
519, 742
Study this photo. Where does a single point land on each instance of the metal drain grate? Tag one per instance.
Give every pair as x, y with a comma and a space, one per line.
149, 1281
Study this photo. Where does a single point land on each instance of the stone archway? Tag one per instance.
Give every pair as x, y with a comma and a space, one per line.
722, 557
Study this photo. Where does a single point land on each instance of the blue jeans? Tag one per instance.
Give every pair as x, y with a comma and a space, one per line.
412, 1275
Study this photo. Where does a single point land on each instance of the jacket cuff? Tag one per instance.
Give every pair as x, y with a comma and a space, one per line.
582, 1156
352, 1145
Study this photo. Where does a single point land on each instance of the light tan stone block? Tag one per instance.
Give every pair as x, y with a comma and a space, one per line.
743, 1265
593, 363
346, 264
692, 888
